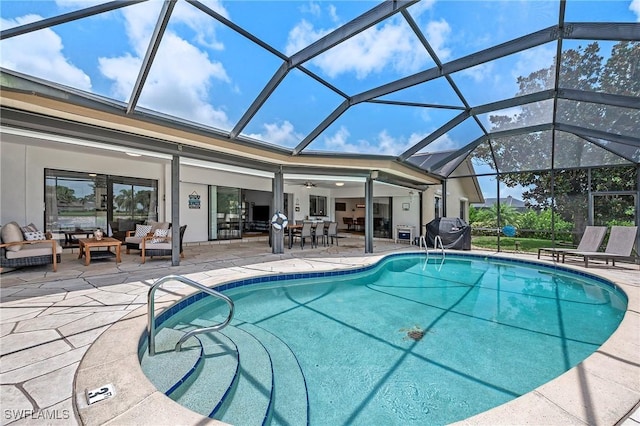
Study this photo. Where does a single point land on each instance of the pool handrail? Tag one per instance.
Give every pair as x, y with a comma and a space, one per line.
436, 240
151, 326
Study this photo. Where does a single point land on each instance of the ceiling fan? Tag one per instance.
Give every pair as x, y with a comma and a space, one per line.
308, 184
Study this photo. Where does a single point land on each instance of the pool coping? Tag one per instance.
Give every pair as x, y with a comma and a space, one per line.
602, 389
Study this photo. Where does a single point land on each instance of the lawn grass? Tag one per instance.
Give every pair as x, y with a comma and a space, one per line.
508, 243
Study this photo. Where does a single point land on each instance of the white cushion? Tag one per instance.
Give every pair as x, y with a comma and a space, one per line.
158, 246
160, 236
142, 230
34, 236
29, 250
12, 233
133, 240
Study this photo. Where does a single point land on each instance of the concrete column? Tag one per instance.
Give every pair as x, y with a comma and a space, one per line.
368, 215
175, 210
277, 236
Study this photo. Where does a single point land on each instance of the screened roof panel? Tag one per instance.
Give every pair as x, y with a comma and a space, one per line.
433, 92
74, 53
499, 79
572, 151
482, 159
607, 118
523, 152
460, 28
457, 137
378, 55
289, 26
599, 11
278, 121
629, 152
519, 116
218, 86
364, 129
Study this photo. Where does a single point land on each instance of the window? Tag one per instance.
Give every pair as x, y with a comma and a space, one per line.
317, 205
80, 200
463, 209
438, 207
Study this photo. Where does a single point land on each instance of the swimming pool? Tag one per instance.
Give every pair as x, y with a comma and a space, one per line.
403, 341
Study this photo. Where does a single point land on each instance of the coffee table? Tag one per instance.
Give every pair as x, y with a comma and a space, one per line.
86, 244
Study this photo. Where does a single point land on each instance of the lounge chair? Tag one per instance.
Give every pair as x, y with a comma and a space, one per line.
619, 246
590, 241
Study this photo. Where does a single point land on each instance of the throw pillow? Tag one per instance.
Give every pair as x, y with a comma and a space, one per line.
142, 230
29, 228
160, 236
12, 233
34, 236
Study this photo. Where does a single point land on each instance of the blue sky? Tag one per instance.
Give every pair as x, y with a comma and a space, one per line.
206, 73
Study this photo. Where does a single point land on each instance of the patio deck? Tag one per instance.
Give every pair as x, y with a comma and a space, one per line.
49, 320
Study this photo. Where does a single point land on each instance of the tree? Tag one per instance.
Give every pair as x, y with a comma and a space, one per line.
65, 195
124, 200
581, 69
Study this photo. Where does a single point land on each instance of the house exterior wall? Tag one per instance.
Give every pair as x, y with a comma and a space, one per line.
455, 194
22, 188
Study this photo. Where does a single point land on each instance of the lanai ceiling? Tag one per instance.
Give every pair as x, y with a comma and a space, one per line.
397, 80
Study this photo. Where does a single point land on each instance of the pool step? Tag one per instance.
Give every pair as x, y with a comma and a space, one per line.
249, 400
245, 375
290, 404
169, 369
215, 376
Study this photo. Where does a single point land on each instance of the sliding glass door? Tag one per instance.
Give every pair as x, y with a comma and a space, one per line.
87, 201
225, 213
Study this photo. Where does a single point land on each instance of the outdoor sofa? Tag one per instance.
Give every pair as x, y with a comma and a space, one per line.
16, 251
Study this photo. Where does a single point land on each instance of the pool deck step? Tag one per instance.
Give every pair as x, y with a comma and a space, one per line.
216, 375
168, 369
290, 405
248, 402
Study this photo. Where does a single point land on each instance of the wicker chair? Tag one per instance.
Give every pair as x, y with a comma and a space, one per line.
150, 249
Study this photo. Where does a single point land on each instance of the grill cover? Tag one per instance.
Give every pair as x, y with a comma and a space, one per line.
454, 232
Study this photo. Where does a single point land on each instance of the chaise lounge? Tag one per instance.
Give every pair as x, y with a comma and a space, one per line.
590, 242
619, 246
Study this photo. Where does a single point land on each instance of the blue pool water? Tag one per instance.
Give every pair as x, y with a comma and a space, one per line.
412, 343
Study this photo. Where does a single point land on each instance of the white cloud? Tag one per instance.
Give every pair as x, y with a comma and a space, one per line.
417, 9
532, 60
312, 8
333, 13
203, 25
41, 54
635, 8
437, 34
168, 87
479, 73
302, 35
390, 45
443, 143
384, 144
280, 134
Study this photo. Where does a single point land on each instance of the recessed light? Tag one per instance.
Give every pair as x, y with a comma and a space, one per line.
133, 154
93, 174
339, 183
